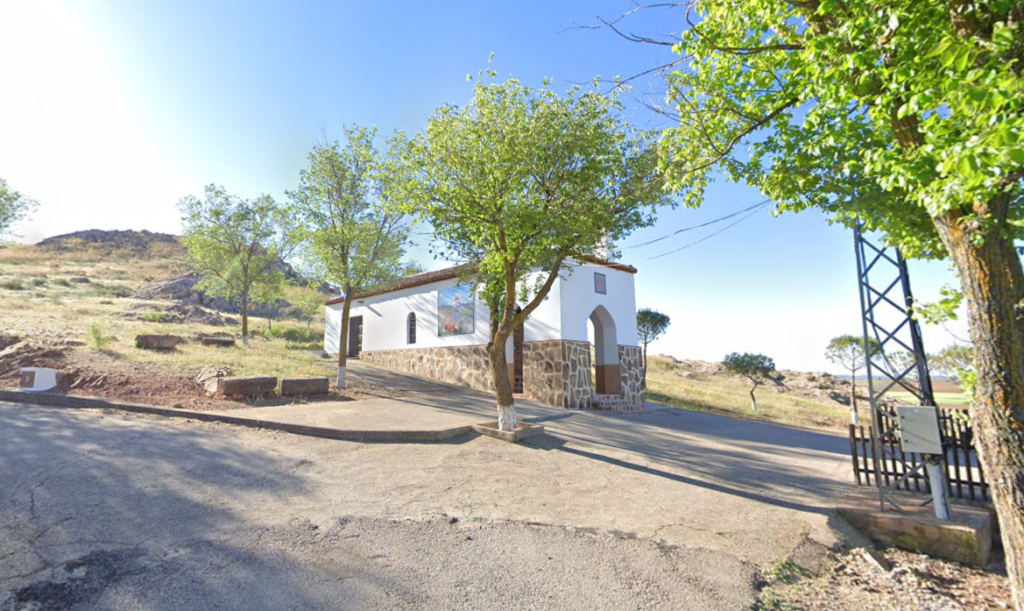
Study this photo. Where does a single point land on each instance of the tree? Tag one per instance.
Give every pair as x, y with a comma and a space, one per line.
522, 180
269, 295
353, 233
310, 304
903, 115
755, 367
236, 246
955, 361
847, 351
13, 207
903, 362
650, 325
412, 268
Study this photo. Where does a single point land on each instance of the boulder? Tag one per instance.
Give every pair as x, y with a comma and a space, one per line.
255, 386
291, 387
158, 342
207, 377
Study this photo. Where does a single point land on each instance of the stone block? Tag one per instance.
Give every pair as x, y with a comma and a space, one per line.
216, 340
158, 342
255, 386
966, 538
292, 387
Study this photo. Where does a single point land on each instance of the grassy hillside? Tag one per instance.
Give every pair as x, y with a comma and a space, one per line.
797, 398
800, 399
73, 304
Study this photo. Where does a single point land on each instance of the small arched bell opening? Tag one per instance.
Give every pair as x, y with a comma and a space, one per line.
607, 379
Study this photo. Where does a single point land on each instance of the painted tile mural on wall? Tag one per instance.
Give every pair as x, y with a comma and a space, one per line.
455, 310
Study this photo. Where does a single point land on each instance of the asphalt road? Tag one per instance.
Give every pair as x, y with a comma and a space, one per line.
111, 511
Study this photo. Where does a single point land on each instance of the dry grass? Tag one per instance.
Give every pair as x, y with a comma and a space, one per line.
727, 395
48, 304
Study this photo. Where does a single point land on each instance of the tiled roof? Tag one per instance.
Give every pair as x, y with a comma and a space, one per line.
450, 273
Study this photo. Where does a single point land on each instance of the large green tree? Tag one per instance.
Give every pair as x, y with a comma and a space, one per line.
901, 114
650, 325
13, 207
351, 231
523, 180
237, 247
847, 351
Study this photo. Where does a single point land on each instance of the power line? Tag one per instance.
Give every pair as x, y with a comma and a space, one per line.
711, 222
707, 237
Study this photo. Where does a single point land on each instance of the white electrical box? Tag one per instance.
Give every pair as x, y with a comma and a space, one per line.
919, 429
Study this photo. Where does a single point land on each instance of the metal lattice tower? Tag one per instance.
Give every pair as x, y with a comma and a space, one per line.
887, 313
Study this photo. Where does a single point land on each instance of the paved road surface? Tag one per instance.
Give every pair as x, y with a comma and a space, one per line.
112, 511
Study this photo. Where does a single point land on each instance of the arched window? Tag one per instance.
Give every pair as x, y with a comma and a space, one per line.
410, 333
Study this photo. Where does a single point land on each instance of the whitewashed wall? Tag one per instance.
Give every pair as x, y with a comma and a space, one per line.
385, 316
579, 299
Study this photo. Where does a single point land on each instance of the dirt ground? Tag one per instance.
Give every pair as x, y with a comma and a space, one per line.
855, 581
97, 374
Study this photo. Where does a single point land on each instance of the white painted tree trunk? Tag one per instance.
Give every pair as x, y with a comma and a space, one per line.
341, 378
854, 418
507, 417
245, 341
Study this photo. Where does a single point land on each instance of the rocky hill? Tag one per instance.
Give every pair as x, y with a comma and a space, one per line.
143, 244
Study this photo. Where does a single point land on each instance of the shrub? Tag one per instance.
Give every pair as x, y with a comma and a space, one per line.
98, 337
155, 317
297, 335
112, 290
12, 285
62, 282
39, 282
317, 345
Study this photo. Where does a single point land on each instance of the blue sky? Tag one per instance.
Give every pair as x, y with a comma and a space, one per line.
114, 110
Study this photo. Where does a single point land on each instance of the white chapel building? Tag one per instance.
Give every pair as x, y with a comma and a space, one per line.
434, 325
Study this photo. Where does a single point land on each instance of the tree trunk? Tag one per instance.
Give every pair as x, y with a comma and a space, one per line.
245, 318
753, 399
854, 417
507, 417
993, 287
346, 309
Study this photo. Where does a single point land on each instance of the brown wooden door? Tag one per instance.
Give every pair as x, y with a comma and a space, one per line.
355, 336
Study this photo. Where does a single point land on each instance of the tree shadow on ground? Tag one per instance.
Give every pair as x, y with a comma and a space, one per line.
783, 466
126, 511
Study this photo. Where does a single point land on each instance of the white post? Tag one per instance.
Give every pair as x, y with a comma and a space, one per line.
934, 465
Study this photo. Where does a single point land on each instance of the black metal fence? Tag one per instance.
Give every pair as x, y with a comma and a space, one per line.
904, 471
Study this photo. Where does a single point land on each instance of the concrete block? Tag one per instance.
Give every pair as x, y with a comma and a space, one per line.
255, 386
966, 538
214, 340
291, 387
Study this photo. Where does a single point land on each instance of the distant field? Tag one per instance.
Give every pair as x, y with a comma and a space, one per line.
944, 399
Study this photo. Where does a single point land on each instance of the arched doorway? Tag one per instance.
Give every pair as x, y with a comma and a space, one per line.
606, 353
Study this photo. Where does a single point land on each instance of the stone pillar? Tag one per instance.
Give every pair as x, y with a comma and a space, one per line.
576, 375
632, 375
